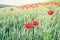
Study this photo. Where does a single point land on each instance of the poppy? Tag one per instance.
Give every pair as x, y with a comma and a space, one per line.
51, 12
28, 25
35, 23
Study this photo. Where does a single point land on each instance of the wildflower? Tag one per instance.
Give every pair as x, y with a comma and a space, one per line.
35, 23
51, 12
28, 25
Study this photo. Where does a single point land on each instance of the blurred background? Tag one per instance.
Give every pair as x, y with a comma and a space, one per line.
4, 3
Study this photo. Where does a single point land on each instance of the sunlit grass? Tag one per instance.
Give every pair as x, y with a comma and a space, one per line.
12, 23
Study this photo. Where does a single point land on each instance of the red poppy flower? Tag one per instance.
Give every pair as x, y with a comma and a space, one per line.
35, 23
51, 12
28, 25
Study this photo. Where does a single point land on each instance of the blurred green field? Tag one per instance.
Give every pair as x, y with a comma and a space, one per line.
54, 0
12, 23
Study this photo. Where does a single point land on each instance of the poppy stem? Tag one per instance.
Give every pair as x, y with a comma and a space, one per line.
33, 34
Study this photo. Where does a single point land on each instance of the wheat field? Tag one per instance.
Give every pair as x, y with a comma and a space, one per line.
12, 23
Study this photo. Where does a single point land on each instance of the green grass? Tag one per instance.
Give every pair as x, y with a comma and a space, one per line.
12, 24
